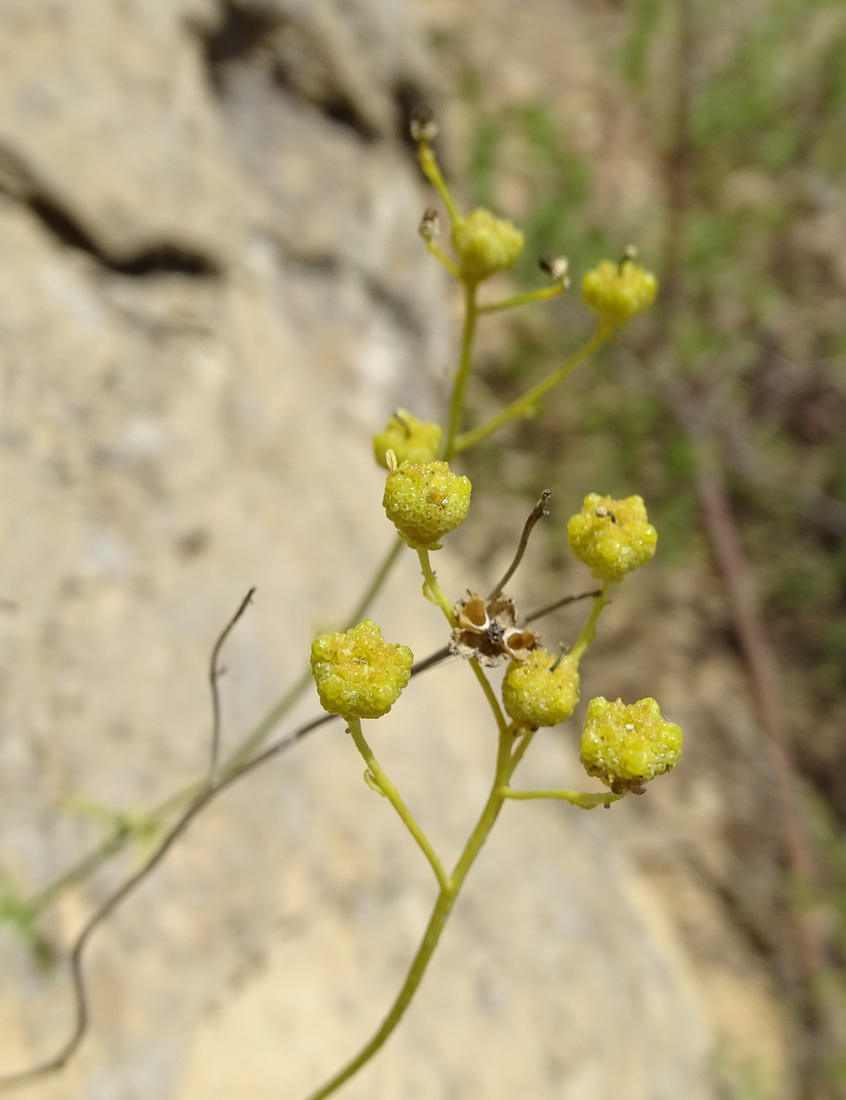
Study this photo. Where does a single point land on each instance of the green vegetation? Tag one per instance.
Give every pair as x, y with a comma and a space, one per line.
746, 147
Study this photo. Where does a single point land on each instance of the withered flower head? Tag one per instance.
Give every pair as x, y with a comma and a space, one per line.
487, 630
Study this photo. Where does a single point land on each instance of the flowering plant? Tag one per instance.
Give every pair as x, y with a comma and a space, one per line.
360, 676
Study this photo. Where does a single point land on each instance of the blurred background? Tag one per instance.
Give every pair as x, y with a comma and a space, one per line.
211, 295
710, 136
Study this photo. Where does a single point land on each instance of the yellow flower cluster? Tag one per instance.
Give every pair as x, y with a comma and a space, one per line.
612, 537
425, 501
358, 674
410, 439
617, 292
484, 245
626, 746
542, 690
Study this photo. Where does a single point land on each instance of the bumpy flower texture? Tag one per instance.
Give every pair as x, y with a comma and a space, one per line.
485, 244
358, 674
410, 439
542, 690
612, 537
616, 292
627, 745
425, 501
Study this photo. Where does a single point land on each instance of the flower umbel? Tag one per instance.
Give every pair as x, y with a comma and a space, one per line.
425, 501
612, 537
627, 745
485, 244
410, 439
358, 674
617, 292
542, 690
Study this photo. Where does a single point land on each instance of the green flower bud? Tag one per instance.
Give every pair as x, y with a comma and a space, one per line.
612, 537
627, 745
358, 674
616, 292
410, 439
425, 501
542, 690
484, 245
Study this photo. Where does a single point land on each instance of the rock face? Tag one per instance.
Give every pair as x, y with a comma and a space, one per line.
211, 294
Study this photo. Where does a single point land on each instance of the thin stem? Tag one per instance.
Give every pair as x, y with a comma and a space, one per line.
81, 1008
520, 749
539, 614
214, 676
525, 404
432, 172
439, 254
490, 695
115, 843
589, 629
456, 405
393, 796
431, 587
490, 812
537, 513
542, 294
425, 663
382, 573
442, 909
583, 799
262, 730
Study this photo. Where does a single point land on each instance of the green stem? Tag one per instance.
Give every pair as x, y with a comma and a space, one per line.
393, 796
433, 174
375, 587
525, 404
582, 799
542, 294
432, 588
456, 405
442, 909
493, 702
439, 254
589, 629
520, 749
488, 816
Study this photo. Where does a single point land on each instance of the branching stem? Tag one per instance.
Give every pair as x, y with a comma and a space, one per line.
526, 404
440, 913
542, 294
589, 629
393, 796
